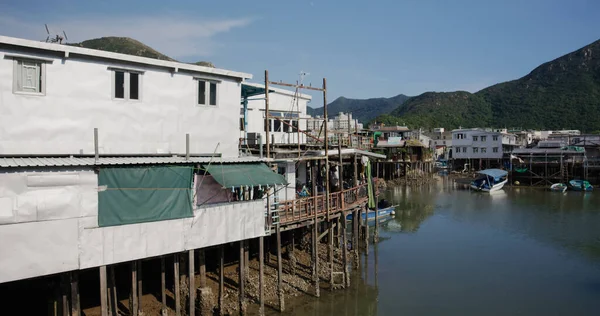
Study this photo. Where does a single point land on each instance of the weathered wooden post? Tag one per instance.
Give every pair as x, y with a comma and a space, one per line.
176, 282
134, 291
192, 281
75, 309
242, 303
261, 263
103, 292
221, 280
345, 250
279, 270
315, 239
163, 286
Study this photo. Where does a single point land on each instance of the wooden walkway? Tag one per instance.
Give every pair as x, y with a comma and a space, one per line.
303, 209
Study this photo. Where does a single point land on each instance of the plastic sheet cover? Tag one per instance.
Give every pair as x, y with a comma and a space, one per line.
237, 175
143, 194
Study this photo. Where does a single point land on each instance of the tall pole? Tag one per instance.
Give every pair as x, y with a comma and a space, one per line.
349, 131
268, 120
326, 144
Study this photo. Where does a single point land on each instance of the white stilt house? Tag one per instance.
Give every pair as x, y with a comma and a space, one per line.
107, 158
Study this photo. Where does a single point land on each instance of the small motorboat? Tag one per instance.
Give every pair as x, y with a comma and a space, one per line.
558, 187
490, 180
580, 185
381, 212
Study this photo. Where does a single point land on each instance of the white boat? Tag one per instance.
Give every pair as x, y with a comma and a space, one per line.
558, 187
490, 180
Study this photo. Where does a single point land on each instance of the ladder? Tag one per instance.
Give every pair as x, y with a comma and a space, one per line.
272, 211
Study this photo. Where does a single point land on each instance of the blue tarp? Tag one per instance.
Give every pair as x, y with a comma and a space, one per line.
495, 173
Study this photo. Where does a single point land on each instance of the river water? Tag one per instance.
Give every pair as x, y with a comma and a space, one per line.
449, 251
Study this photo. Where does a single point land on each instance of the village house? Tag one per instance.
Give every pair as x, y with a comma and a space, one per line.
480, 147
287, 111
79, 124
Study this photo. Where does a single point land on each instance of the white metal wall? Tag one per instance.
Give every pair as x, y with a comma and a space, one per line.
49, 224
278, 102
79, 98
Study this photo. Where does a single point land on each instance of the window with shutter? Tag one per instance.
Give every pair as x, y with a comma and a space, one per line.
28, 77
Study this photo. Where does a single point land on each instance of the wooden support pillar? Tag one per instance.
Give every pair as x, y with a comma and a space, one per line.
376, 233
261, 291
221, 279
139, 287
163, 287
64, 289
241, 279
113, 298
355, 165
345, 250
75, 305
133, 305
176, 282
192, 281
103, 292
366, 221
315, 231
247, 257
355, 237
330, 253
279, 271
202, 267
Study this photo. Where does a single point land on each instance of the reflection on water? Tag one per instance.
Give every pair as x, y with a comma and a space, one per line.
450, 251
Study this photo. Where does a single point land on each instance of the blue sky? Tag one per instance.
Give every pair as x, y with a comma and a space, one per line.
364, 48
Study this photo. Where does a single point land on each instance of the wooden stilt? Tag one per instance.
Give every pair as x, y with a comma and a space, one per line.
113, 286
221, 279
355, 240
315, 239
247, 257
64, 289
163, 286
202, 267
134, 291
345, 250
279, 271
366, 223
176, 281
139, 287
103, 292
192, 281
241, 279
261, 292
330, 253
75, 309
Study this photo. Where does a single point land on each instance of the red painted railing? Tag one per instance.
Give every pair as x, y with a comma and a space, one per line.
305, 208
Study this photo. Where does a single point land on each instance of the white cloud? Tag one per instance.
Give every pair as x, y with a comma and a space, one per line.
175, 36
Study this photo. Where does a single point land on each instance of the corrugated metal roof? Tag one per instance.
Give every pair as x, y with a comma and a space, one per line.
16, 162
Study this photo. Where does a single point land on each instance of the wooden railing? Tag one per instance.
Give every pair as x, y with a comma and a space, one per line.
305, 208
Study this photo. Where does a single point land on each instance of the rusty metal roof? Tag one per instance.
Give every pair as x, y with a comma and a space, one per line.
20, 162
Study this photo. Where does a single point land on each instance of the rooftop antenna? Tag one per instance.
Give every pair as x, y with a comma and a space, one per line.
302, 75
55, 38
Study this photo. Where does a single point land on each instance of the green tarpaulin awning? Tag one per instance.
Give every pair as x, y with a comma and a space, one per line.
238, 175
132, 195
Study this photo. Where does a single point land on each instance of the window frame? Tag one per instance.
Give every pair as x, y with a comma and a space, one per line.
42, 62
495, 138
484, 138
207, 93
475, 138
475, 150
484, 150
495, 149
126, 83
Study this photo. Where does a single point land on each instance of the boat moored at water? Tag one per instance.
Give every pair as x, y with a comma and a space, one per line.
490, 180
381, 212
580, 185
558, 187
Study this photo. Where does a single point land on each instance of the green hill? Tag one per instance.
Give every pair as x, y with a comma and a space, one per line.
129, 46
363, 110
432, 109
563, 93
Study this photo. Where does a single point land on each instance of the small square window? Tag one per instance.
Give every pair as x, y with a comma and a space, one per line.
483, 150
495, 149
126, 85
208, 93
28, 77
495, 138
475, 150
474, 138
483, 138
